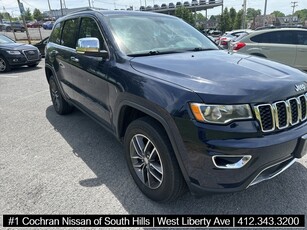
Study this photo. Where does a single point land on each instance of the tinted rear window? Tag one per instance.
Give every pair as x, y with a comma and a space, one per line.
279, 37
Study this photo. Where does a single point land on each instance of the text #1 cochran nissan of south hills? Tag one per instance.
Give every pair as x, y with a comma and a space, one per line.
186, 221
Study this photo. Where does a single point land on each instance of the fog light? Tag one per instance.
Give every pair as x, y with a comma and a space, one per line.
230, 161
15, 60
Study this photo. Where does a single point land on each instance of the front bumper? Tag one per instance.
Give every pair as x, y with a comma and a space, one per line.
21, 59
270, 154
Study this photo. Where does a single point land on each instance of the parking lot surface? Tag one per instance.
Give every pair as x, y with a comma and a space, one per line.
52, 164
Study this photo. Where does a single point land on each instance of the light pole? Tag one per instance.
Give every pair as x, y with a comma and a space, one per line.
264, 12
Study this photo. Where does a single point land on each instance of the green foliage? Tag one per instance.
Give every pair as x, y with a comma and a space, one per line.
28, 15
213, 18
251, 13
278, 13
225, 23
185, 14
232, 16
37, 15
5, 16
302, 14
238, 20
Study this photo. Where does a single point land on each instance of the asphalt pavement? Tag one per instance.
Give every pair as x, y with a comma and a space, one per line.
52, 164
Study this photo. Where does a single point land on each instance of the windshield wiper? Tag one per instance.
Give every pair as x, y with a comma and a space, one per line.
201, 49
152, 52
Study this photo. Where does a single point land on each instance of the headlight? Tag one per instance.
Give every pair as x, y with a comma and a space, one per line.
13, 52
220, 114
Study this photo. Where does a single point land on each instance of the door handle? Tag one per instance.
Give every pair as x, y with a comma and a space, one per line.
302, 50
74, 59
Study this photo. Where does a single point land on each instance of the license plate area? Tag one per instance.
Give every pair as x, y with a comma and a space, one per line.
301, 149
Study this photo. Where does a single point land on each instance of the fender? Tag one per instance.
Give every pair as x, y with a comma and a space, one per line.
159, 114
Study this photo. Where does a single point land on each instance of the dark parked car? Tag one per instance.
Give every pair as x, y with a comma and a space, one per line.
14, 54
41, 46
178, 4
163, 6
187, 113
171, 5
36, 24
48, 25
14, 26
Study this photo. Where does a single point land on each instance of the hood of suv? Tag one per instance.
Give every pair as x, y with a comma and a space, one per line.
17, 46
220, 78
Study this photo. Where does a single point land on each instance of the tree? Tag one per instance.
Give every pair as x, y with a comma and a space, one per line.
251, 14
225, 21
28, 15
232, 16
238, 20
200, 20
37, 15
185, 14
277, 13
302, 15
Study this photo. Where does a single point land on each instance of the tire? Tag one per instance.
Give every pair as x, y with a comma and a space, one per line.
8, 29
61, 106
22, 30
4, 65
33, 65
151, 161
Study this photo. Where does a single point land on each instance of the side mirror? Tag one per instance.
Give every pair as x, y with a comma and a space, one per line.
90, 47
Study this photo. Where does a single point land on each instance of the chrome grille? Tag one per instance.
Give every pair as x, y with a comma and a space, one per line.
31, 54
281, 114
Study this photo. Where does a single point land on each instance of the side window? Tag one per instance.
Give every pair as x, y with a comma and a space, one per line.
89, 28
302, 37
286, 37
55, 37
280, 37
69, 33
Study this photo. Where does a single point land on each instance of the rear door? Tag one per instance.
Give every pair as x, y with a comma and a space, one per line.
278, 46
301, 56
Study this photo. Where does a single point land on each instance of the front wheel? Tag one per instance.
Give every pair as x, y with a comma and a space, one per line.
152, 162
4, 65
60, 105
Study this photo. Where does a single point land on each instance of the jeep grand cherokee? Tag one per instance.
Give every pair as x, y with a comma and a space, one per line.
188, 114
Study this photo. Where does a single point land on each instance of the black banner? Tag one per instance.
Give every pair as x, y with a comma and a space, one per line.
166, 221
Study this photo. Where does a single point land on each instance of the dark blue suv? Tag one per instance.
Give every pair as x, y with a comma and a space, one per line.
188, 114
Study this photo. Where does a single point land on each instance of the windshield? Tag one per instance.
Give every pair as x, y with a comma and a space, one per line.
5, 40
156, 35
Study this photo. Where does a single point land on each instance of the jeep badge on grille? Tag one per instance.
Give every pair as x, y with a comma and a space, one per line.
300, 87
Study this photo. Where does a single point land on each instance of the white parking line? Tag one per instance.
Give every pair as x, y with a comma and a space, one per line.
9, 76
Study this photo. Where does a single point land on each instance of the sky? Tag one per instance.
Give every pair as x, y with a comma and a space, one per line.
11, 6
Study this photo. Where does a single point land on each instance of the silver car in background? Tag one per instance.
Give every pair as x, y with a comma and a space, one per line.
284, 45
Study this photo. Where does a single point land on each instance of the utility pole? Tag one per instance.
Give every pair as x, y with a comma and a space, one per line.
22, 13
294, 4
244, 14
61, 7
89, 3
50, 13
264, 13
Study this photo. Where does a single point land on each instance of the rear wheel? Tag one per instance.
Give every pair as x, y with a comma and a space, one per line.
4, 65
8, 29
60, 105
152, 162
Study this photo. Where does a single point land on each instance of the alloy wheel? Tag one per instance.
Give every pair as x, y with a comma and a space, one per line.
146, 161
